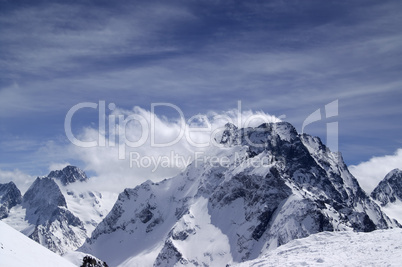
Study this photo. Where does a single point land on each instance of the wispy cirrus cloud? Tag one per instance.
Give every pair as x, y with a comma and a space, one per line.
279, 57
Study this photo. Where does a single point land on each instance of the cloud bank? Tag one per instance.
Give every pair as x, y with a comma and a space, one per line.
153, 147
283, 57
371, 172
22, 180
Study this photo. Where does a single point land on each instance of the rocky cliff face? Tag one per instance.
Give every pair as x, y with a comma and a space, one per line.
54, 211
10, 196
264, 187
389, 190
51, 223
68, 175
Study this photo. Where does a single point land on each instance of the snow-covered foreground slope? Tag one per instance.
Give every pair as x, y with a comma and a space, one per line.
17, 250
346, 248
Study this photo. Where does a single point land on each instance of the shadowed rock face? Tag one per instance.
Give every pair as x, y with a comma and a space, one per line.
302, 188
55, 227
42, 200
68, 175
10, 196
44, 215
389, 189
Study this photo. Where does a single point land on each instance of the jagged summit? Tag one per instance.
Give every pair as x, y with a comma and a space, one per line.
10, 196
42, 199
389, 190
258, 136
229, 135
57, 216
52, 224
68, 175
229, 125
275, 186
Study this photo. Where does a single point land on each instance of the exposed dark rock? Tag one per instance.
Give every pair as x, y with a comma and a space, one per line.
10, 196
68, 175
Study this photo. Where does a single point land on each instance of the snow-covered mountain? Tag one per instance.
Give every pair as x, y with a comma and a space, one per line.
388, 194
58, 212
10, 196
90, 206
68, 175
263, 188
50, 222
17, 250
336, 249
389, 190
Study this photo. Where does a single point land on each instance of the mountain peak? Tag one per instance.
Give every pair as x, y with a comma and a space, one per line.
390, 188
257, 136
54, 226
394, 174
230, 126
229, 135
44, 193
68, 175
10, 196
278, 186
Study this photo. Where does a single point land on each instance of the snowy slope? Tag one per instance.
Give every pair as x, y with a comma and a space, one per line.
17, 250
212, 214
346, 248
393, 210
89, 206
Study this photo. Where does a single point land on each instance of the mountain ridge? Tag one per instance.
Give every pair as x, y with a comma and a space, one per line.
389, 189
10, 196
300, 188
54, 213
68, 175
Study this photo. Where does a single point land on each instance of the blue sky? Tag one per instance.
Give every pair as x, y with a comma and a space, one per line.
279, 57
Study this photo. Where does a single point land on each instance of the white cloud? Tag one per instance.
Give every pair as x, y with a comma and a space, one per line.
22, 180
109, 165
371, 172
58, 166
150, 161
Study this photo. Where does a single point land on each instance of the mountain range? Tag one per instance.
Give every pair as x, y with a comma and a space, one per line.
260, 189
276, 186
52, 211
